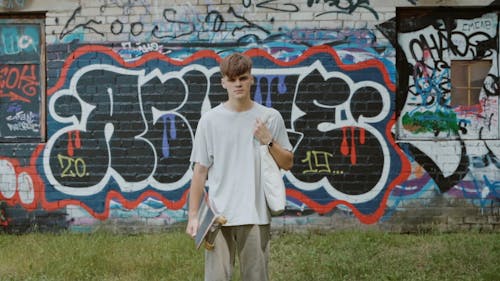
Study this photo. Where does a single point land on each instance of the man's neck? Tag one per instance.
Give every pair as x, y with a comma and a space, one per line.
239, 105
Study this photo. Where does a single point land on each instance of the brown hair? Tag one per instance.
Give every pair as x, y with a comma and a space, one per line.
235, 65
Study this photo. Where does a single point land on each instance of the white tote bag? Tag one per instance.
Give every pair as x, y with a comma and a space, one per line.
272, 182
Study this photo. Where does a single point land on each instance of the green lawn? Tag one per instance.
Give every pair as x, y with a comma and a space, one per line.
346, 255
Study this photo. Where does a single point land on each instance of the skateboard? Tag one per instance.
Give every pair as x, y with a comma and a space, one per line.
210, 223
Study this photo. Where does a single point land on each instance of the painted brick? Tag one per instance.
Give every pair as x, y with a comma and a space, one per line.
494, 219
108, 11
303, 16
330, 24
430, 182
279, 17
455, 220
476, 220
349, 17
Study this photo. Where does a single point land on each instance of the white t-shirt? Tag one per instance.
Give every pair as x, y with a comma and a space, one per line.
224, 143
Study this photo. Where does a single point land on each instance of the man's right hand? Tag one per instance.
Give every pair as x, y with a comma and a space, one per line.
200, 174
192, 227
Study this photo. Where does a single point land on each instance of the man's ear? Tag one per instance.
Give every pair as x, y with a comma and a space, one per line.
222, 83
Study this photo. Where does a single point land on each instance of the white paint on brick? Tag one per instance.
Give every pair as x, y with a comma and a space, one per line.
26, 188
8, 179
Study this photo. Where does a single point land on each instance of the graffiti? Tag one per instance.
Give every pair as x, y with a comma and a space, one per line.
249, 24
121, 119
169, 26
126, 6
19, 82
20, 87
429, 48
472, 178
343, 6
491, 85
12, 4
431, 122
69, 28
18, 187
131, 50
72, 167
23, 121
20, 94
350, 131
183, 27
21, 41
183, 24
438, 41
476, 25
213, 22
273, 5
318, 162
12, 46
443, 182
155, 107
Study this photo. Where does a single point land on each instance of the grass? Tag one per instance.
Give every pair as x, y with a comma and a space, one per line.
346, 255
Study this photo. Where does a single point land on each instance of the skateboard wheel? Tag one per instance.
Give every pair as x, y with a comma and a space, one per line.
209, 246
221, 220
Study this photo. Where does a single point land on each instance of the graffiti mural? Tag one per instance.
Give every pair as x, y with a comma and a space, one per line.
429, 47
20, 87
124, 96
106, 116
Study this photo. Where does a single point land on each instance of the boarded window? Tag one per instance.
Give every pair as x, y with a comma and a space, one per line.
467, 79
22, 78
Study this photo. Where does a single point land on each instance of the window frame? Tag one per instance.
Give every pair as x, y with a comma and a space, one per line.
32, 18
468, 87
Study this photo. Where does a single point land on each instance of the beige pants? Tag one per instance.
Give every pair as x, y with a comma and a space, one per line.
250, 243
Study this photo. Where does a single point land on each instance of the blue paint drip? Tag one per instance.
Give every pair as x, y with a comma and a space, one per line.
269, 103
258, 94
173, 134
281, 85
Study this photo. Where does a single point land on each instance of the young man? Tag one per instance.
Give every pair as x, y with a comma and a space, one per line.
226, 158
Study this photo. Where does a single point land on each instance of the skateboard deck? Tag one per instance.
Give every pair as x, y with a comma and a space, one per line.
210, 223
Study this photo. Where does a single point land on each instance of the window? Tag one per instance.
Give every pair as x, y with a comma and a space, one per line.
467, 78
447, 82
22, 77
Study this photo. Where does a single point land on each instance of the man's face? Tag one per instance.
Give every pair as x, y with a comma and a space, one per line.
238, 87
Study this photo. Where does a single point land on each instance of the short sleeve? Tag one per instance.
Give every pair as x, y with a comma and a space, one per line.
201, 152
278, 130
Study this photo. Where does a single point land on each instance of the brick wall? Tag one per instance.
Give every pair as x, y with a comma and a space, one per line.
127, 82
